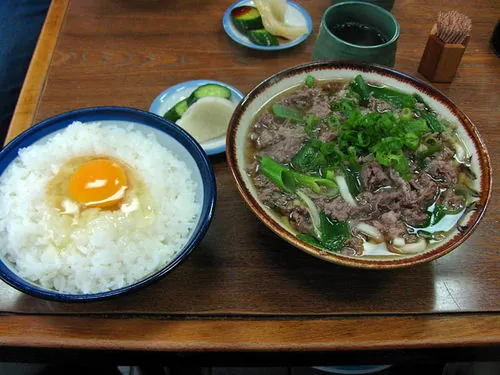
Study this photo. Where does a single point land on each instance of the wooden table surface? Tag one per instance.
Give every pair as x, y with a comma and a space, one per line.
243, 290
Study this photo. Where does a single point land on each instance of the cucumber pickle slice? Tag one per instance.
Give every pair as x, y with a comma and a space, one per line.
246, 18
262, 37
209, 89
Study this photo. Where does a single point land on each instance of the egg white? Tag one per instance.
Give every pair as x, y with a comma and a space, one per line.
135, 208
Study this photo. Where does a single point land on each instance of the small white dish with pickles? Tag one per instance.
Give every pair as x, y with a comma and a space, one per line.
268, 25
201, 107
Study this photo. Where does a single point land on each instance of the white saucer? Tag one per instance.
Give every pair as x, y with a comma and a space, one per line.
174, 94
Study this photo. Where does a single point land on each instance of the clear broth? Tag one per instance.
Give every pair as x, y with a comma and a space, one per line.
359, 34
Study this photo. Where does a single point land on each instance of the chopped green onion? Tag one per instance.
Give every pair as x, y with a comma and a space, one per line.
364, 139
309, 158
418, 127
328, 148
310, 81
432, 146
330, 174
406, 114
333, 121
313, 122
412, 141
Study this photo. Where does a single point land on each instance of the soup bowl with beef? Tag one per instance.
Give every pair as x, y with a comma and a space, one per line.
359, 164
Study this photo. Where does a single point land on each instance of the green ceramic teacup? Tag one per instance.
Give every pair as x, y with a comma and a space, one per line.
355, 30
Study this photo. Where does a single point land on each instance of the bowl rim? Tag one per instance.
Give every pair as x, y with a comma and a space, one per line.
361, 67
95, 114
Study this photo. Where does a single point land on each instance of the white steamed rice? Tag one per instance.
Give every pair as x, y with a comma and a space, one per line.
101, 256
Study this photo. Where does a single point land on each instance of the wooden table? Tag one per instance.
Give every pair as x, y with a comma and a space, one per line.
244, 295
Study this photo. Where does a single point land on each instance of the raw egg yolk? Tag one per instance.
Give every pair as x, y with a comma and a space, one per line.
98, 183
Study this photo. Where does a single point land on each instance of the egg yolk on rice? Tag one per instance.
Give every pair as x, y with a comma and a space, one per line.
98, 183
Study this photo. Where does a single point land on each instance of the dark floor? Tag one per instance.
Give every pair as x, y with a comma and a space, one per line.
393, 370
479, 368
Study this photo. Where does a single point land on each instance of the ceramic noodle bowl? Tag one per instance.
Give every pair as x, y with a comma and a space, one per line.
241, 157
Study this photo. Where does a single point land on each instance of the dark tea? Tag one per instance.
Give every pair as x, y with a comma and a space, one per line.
359, 34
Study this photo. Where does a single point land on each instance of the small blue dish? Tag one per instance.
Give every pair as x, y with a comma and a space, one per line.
295, 15
178, 141
174, 94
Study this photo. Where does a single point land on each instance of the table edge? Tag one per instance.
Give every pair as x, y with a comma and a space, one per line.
36, 75
202, 335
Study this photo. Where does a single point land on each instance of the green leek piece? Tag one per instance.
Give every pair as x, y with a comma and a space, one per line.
352, 181
278, 174
359, 87
289, 180
395, 98
428, 115
288, 113
333, 234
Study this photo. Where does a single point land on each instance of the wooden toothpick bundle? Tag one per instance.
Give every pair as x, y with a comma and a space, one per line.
453, 27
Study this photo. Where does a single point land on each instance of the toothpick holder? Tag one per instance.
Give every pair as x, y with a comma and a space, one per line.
440, 60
